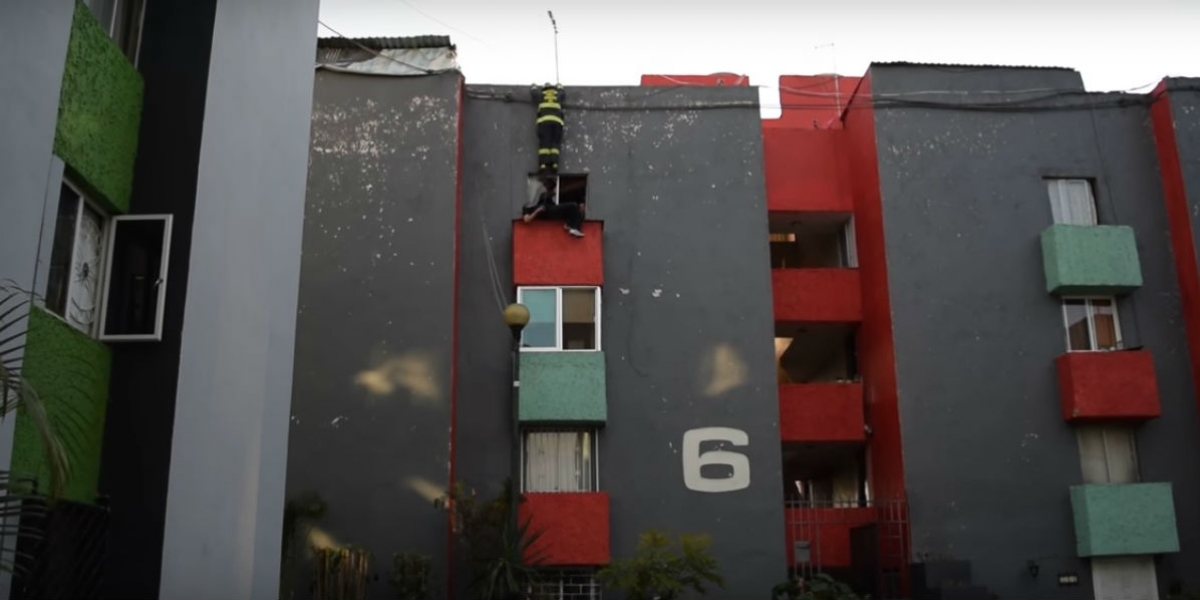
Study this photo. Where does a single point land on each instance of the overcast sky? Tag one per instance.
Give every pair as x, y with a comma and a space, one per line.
1115, 45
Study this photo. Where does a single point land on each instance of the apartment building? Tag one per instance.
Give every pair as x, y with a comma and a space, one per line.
926, 332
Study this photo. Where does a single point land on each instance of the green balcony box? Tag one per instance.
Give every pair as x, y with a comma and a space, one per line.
562, 387
1124, 519
1090, 260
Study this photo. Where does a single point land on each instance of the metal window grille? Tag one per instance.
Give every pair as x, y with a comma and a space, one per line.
567, 584
866, 545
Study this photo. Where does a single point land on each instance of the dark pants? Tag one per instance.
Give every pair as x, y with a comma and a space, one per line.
567, 211
550, 137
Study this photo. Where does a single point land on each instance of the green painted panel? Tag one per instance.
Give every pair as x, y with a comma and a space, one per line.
563, 387
1124, 519
69, 371
1090, 260
99, 113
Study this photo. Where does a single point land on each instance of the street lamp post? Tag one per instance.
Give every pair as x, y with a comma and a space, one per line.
516, 316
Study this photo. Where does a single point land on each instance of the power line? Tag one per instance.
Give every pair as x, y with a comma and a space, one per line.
443, 23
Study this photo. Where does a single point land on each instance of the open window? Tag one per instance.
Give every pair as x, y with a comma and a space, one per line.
815, 353
135, 287
571, 188
813, 241
825, 475
559, 461
561, 318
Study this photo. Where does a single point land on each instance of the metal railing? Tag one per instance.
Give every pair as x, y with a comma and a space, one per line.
60, 549
865, 544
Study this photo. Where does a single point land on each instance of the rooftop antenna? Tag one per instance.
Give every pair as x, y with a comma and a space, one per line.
554, 24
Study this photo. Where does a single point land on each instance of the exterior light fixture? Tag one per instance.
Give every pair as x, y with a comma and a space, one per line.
516, 316
1033, 568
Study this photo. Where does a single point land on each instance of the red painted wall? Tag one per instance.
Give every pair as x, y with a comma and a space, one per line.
1182, 240
817, 295
827, 531
543, 254
574, 528
1107, 385
716, 79
812, 101
821, 412
876, 351
806, 170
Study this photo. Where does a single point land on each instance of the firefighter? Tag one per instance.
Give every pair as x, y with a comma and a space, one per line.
549, 100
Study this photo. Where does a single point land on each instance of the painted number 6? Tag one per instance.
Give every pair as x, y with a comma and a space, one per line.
694, 460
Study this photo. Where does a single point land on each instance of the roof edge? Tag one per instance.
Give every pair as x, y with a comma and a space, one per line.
387, 43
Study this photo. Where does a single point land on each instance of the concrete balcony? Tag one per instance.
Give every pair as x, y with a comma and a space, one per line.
562, 387
574, 528
821, 412
543, 254
817, 295
1124, 519
1100, 260
1108, 386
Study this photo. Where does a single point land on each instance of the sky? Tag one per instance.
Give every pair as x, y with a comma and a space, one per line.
1126, 45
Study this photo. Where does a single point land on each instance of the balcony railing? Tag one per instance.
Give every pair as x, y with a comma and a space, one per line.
817, 295
821, 412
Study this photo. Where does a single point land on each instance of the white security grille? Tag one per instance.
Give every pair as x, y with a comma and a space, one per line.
567, 584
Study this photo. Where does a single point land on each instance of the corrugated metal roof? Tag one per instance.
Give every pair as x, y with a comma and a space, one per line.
902, 63
387, 43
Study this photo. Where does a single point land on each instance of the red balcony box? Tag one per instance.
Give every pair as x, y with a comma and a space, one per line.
827, 531
821, 412
805, 171
543, 254
1108, 386
817, 295
574, 528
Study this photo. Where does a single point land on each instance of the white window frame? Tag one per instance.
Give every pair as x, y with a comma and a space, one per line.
558, 314
161, 292
594, 432
560, 578
1056, 188
1091, 319
85, 201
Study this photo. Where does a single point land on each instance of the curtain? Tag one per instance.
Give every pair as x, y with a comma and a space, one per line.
1071, 202
558, 461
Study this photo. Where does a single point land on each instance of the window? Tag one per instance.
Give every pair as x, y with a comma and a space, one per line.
567, 584
1108, 453
122, 20
559, 461
1071, 201
136, 281
571, 188
1092, 324
566, 318
822, 242
76, 260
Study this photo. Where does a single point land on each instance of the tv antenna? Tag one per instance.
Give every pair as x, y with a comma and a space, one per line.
554, 24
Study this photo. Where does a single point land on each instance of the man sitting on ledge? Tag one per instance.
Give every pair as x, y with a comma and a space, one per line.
545, 207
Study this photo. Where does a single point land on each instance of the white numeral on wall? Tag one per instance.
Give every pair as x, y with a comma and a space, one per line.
694, 460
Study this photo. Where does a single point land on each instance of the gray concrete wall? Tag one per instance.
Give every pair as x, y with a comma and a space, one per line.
36, 31
229, 449
988, 457
371, 405
687, 313
1184, 96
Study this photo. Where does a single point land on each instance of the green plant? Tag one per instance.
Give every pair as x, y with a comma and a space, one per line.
663, 568
503, 555
18, 396
410, 576
341, 573
818, 587
300, 514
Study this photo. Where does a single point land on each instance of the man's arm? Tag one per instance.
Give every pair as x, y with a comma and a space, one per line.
531, 215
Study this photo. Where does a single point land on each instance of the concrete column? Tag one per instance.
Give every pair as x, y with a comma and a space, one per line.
229, 451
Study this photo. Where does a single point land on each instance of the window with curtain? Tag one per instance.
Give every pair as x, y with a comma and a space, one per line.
1091, 324
1072, 202
1108, 453
559, 461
